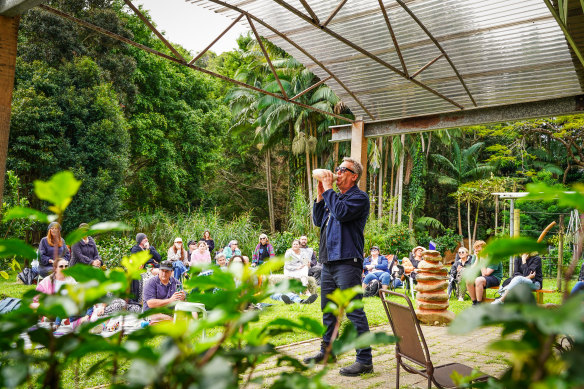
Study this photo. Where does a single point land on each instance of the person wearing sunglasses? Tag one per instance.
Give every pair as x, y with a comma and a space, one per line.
263, 251
462, 261
341, 217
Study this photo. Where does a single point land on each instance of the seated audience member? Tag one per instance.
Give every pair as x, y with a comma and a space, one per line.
396, 271
375, 267
221, 261
179, 258
315, 267
143, 244
490, 275
162, 291
527, 269
462, 262
415, 259
201, 255
191, 246
293, 298
580, 284
263, 251
85, 251
55, 283
210, 242
47, 247
231, 249
297, 263
245, 259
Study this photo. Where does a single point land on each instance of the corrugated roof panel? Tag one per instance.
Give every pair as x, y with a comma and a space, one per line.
505, 50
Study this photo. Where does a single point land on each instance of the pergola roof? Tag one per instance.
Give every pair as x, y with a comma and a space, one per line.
487, 53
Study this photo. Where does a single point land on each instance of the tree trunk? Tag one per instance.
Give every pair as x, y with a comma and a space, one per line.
468, 222
308, 177
496, 214
336, 155
429, 142
401, 179
380, 182
270, 192
460, 224
8, 41
474, 233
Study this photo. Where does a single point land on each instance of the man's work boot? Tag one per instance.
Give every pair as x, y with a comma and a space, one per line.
319, 357
356, 369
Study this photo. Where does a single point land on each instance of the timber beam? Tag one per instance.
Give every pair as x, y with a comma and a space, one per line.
11, 8
572, 105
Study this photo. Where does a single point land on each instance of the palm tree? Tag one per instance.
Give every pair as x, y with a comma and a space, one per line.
461, 168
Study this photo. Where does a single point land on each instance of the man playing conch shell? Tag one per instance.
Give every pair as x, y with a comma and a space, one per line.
341, 218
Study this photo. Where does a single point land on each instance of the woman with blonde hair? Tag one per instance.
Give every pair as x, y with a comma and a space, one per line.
263, 251
179, 258
52, 246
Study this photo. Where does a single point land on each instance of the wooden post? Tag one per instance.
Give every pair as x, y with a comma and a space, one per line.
516, 222
8, 39
359, 149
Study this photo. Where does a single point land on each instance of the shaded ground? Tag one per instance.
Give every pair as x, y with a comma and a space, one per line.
444, 348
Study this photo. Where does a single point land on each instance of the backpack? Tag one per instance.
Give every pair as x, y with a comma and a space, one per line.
27, 276
9, 304
372, 288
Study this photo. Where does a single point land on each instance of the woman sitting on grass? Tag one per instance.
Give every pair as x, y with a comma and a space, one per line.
297, 263
528, 271
55, 283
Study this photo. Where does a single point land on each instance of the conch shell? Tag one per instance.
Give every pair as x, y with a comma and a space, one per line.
319, 174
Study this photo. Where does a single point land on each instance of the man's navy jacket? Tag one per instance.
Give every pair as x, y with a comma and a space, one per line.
348, 215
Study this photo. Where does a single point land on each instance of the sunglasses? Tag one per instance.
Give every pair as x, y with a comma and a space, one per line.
63, 266
342, 169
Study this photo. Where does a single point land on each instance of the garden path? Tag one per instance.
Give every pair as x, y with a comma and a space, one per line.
470, 349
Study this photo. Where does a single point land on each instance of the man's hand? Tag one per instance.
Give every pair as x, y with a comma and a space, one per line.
524, 258
531, 275
177, 296
147, 246
96, 263
327, 180
319, 191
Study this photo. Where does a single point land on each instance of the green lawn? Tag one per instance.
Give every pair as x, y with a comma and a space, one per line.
373, 308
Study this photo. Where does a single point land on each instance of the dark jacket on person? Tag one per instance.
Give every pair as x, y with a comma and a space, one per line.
343, 216
154, 260
47, 252
382, 264
581, 276
85, 253
533, 264
457, 263
210, 244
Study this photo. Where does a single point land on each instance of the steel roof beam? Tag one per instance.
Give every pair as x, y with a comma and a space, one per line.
178, 61
393, 38
471, 117
365, 52
215, 40
333, 14
311, 88
299, 48
311, 12
419, 22
11, 8
259, 40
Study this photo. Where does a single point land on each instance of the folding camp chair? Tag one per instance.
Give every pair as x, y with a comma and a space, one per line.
411, 345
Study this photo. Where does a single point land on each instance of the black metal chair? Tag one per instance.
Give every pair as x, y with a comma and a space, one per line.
411, 346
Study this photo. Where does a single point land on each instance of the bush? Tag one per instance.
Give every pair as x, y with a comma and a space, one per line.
113, 248
395, 239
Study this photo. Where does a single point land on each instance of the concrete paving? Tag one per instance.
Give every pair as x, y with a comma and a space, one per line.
470, 349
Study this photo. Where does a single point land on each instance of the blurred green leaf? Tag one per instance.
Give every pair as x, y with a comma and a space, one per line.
12, 247
134, 263
28, 213
83, 273
59, 190
541, 191
96, 229
3, 274
504, 248
269, 267
350, 341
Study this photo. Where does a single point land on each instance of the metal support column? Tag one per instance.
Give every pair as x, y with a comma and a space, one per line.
511, 230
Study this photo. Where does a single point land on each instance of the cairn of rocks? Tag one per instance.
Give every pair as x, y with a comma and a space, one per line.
432, 299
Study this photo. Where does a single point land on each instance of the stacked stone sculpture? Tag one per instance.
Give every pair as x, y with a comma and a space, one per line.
432, 281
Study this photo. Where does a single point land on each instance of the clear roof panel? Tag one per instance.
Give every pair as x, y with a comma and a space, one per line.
506, 51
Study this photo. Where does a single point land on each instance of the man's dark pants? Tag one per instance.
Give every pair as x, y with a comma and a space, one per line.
343, 276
